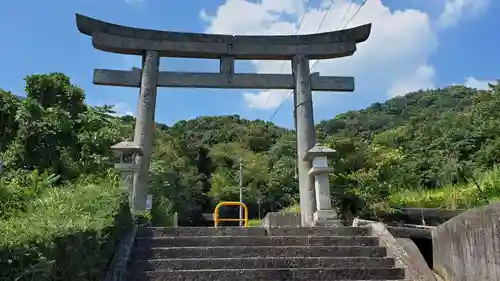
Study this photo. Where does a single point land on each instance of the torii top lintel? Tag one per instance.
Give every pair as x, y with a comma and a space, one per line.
120, 39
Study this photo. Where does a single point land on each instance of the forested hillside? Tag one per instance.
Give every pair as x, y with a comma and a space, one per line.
407, 145
438, 134
422, 141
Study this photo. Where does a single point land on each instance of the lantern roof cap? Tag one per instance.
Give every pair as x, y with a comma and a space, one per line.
319, 150
127, 146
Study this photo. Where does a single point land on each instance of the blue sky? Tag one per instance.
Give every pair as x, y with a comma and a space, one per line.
414, 44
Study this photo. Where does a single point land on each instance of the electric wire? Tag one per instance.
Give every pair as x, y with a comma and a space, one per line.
317, 61
345, 14
355, 13
319, 27
296, 33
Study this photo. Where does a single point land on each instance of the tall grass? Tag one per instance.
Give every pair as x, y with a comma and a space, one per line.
67, 232
459, 196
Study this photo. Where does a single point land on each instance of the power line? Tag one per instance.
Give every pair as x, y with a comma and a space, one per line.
281, 105
345, 14
317, 30
355, 13
324, 15
296, 33
317, 61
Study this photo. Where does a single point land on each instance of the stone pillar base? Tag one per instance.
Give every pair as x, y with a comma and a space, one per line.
326, 218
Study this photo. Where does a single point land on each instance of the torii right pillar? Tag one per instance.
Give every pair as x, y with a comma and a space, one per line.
306, 136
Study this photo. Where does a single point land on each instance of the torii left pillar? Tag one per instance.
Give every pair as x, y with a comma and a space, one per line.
143, 134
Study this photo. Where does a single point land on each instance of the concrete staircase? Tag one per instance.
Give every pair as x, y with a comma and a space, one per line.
253, 254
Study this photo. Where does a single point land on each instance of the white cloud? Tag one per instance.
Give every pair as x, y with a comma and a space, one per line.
265, 99
421, 79
122, 109
472, 82
397, 51
455, 10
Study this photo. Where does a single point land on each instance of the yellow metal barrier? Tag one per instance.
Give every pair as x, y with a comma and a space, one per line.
216, 213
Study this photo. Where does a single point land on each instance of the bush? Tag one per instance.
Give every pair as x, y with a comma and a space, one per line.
68, 233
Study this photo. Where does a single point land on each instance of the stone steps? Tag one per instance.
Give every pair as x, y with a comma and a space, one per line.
252, 231
258, 251
318, 231
199, 231
260, 254
271, 274
205, 241
263, 262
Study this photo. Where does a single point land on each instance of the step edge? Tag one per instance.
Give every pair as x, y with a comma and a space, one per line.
259, 247
254, 237
269, 258
273, 227
274, 269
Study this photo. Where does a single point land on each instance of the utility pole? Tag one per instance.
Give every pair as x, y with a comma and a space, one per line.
241, 192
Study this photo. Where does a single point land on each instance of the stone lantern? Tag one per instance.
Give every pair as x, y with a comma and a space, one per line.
324, 214
127, 151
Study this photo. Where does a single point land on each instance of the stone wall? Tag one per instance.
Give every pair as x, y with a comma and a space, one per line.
467, 247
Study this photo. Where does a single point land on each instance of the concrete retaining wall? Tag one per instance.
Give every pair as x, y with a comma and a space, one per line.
279, 219
467, 247
117, 269
405, 254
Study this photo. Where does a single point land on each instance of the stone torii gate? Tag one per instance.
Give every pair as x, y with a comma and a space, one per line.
153, 44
